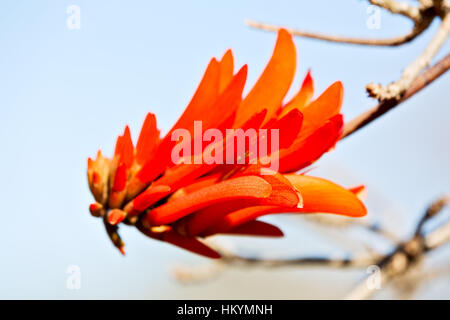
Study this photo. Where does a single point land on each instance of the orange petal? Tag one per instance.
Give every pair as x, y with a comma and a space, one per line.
320, 195
227, 103
119, 144
203, 219
254, 122
120, 177
154, 167
326, 106
289, 126
274, 82
226, 70
189, 243
203, 182
360, 191
283, 195
221, 111
256, 228
240, 217
124, 148
183, 174
250, 187
148, 139
149, 197
302, 98
200, 104
305, 151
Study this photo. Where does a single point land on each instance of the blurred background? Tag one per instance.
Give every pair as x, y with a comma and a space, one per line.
64, 93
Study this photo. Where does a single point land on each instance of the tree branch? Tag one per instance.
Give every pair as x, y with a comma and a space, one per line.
408, 254
401, 8
390, 42
396, 263
434, 209
396, 89
438, 237
422, 17
303, 261
418, 84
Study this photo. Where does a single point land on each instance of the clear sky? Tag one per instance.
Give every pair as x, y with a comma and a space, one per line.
65, 93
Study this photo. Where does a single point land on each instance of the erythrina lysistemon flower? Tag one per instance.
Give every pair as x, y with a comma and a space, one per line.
183, 202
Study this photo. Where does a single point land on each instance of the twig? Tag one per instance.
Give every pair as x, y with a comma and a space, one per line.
196, 274
418, 84
346, 223
390, 42
395, 7
438, 237
396, 89
432, 211
303, 261
408, 254
422, 17
390, 266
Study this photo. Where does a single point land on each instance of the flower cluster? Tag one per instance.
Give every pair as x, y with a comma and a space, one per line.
184, 201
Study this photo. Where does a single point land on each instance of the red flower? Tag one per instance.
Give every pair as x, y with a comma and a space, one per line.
182, 202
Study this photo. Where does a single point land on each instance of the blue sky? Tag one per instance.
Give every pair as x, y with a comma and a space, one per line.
65, 93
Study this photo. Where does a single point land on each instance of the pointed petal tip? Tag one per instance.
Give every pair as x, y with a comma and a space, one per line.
360, 191
228, 52
321, 195
243, 70
308, 80
340, 88
284, 32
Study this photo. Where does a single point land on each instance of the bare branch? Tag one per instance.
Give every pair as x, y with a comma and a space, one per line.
422, 17
401, 8
338, 222
396, 89
303, 261
438, 237
434, 209
390, 42
410, 253
195, 274
418, 84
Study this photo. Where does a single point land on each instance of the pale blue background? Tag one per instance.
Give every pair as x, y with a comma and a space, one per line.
64, 94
